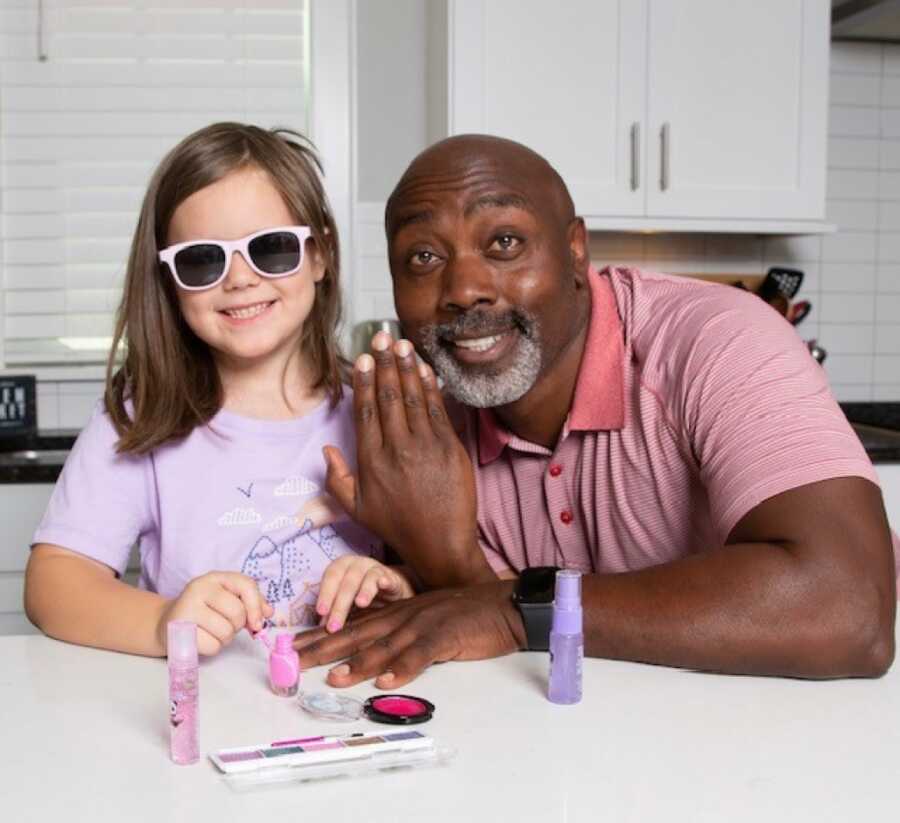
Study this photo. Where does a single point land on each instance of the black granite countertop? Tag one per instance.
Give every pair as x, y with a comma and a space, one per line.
35, 457
38, 458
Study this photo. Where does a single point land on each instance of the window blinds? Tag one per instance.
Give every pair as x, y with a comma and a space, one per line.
92, 94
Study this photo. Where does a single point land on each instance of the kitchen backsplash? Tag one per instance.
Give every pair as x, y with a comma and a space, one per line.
852, 277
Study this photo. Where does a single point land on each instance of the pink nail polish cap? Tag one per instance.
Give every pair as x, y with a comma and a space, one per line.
181, 643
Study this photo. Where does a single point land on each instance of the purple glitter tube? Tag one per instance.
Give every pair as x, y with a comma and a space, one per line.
566, 639
184, 681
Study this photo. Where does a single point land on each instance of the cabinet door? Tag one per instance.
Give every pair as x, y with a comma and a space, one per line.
566, 79
737, 107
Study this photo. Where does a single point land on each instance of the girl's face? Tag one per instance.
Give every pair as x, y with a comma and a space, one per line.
247, 320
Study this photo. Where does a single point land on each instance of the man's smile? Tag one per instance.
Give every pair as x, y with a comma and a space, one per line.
475, 350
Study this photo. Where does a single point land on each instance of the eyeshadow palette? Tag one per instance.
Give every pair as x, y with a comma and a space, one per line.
311, 751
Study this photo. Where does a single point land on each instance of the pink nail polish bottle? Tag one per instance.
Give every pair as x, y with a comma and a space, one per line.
284, 667
184, 687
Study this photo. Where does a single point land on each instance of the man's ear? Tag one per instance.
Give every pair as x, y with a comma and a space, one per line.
579, 252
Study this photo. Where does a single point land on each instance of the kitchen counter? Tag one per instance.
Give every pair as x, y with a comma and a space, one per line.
86, 739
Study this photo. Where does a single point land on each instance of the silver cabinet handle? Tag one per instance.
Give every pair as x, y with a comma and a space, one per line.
664, 157
635, 156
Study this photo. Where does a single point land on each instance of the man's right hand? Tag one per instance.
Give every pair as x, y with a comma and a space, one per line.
397, 643
415, 487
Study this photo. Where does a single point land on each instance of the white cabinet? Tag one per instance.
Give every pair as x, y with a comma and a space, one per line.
21, 509
659, 114
563, 78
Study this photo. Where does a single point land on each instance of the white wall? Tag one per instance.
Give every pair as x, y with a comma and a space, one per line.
390, 92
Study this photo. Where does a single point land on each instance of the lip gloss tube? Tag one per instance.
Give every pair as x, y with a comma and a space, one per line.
566, 639
184, 688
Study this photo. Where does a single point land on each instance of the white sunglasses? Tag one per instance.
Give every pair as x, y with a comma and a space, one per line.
202, 264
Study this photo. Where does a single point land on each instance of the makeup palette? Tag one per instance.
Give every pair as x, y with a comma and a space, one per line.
312, 751
398, 709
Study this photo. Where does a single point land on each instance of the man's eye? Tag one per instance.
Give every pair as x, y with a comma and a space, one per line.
506, 242
422, 258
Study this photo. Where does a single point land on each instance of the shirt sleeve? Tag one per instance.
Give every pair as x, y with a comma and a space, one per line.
101, 504
755, 408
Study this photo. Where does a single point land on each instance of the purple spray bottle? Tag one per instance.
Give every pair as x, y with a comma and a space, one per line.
566, 639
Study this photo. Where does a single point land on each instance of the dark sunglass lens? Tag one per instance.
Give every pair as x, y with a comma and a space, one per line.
276, 252
200, 265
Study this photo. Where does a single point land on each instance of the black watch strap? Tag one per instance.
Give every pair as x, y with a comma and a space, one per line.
533, 596
538, 619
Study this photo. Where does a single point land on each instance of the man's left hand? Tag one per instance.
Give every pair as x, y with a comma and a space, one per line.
396, 643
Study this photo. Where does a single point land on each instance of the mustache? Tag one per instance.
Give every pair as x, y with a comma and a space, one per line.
480, 323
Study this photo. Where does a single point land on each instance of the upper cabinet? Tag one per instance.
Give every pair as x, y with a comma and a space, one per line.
659, 114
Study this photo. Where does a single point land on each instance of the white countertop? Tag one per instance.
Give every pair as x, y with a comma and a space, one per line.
84, 737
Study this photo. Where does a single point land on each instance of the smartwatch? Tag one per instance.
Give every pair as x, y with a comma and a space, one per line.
533, 597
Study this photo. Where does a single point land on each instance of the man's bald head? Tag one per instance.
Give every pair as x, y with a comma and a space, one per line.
458, 161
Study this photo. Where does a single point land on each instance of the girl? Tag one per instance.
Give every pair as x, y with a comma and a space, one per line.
207, 448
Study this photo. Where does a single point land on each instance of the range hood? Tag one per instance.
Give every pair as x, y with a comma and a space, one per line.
872, 20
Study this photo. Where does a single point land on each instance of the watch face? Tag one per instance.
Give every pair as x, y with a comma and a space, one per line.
536, 585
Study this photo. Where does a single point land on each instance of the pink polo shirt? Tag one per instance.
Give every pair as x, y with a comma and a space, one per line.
694, 403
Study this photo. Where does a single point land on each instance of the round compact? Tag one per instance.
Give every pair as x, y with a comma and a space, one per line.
399, 709
331, 706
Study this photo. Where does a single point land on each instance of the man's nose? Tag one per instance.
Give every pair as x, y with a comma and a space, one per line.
468, 281
240, 275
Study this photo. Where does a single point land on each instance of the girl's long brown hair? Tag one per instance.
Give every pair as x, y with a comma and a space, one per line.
168, 383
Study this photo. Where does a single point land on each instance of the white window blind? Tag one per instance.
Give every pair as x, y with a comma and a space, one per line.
92, 94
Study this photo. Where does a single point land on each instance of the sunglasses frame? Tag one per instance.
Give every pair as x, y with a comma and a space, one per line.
229, 247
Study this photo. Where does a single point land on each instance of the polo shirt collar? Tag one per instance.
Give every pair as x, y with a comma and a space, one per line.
599, 401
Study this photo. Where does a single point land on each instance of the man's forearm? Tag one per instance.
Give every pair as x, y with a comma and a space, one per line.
747, 608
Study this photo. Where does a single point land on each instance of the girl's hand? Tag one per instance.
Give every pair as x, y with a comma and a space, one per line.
352, 580
221, 604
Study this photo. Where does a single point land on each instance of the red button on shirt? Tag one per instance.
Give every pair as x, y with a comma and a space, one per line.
566, 517
555, 471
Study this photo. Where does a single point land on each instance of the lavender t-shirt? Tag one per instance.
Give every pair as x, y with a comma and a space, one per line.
239, 494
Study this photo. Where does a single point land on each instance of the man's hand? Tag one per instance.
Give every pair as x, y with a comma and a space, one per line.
396, 643
416, 488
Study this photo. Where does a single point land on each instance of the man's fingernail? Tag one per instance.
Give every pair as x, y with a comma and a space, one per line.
386, 679
380, 341
403, 348
423, 371
334, 625
340, 671
365, 362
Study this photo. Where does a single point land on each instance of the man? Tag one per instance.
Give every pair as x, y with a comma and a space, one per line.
671, 439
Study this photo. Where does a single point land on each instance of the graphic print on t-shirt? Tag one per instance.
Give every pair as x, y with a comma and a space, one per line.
288, 545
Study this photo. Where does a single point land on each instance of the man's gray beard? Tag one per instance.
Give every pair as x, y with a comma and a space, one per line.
483, 386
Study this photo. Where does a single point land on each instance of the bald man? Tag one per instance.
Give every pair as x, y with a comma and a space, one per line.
673, 440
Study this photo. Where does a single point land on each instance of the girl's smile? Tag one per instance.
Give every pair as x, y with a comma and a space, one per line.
242, 315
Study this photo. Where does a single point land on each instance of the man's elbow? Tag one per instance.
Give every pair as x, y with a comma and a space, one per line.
862, 630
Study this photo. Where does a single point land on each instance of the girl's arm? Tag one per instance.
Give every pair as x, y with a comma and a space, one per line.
74, 598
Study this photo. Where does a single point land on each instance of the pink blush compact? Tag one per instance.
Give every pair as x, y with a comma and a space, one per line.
399, 709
